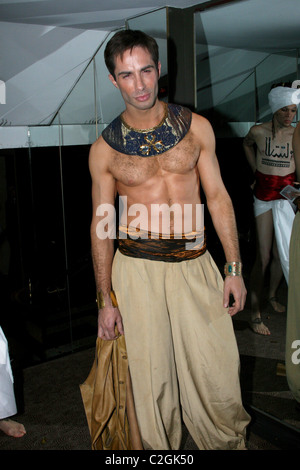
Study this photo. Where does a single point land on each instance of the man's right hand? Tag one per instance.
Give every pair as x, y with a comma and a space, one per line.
109, 318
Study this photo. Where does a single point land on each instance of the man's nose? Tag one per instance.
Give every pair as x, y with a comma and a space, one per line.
140, 82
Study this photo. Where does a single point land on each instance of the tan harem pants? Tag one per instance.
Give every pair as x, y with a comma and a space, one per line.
182, 352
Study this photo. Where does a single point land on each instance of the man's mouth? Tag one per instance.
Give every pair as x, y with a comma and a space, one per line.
143, 97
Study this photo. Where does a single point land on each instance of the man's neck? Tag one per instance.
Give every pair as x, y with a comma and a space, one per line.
279, 128
144, 118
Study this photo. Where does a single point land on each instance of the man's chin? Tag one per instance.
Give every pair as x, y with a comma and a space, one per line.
145, 105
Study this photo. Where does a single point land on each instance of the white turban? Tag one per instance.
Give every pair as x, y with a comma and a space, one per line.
282, 96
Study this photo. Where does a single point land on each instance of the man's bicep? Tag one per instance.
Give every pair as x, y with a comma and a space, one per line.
208, 165
210, 175
103, 182
103, 224
250, 138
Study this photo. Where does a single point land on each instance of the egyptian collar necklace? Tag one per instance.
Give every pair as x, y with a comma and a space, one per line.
149, 142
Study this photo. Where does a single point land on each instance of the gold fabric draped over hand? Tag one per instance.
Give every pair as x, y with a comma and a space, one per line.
108, 399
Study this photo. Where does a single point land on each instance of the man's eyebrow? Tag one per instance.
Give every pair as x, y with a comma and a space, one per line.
124, 72
150, 66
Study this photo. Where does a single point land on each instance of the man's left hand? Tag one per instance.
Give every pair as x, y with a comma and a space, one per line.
234, 285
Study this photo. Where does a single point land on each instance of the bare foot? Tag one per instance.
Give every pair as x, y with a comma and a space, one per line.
12, 428
259, 327
277, 307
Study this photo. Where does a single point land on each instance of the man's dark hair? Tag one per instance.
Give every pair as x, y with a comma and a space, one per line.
284, 84
128, 39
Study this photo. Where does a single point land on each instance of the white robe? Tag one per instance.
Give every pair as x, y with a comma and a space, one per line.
283, 218
7, 397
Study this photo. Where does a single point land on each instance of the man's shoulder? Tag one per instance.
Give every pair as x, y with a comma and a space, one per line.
201, 125
261, 130
262, 126
98, 144
99, 151
200, 119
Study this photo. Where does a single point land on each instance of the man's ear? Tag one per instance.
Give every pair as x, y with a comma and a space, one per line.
159, 68
113, 81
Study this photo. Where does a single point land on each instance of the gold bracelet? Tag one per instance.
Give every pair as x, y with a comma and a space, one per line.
233, 268
101, 301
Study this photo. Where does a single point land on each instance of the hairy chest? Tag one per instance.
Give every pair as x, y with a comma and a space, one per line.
133, 170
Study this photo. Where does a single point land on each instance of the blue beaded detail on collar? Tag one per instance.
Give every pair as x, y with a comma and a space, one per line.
149, 142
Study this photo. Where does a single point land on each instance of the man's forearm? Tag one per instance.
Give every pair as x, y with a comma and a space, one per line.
102, 256
223, 219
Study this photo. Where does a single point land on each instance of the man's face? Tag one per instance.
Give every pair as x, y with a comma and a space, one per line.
285, 116
137, 78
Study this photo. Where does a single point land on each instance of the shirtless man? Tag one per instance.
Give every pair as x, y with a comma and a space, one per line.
171, 302
268, 149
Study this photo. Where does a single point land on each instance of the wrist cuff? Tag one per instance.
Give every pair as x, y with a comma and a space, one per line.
234, 268
101, 301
